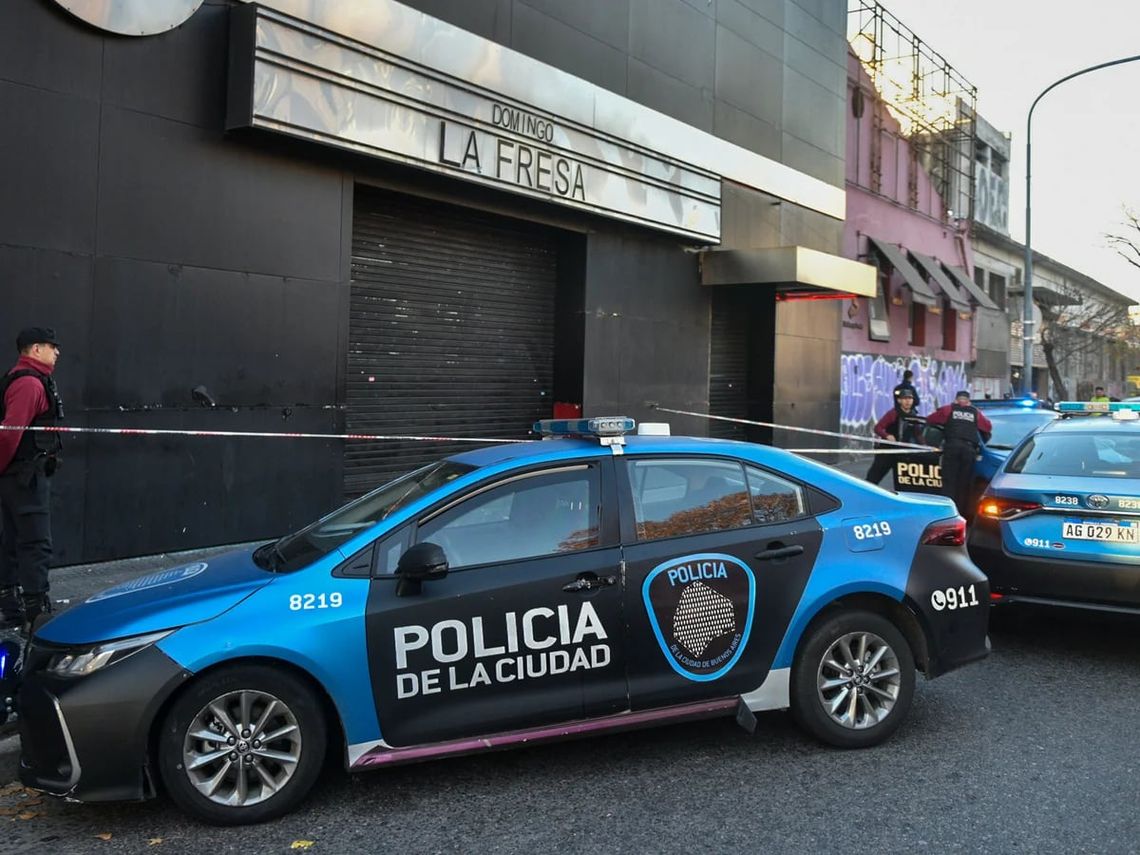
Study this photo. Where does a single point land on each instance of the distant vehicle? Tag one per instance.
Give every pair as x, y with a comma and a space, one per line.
1011, 423
506, 596
1022, 402
1060, 523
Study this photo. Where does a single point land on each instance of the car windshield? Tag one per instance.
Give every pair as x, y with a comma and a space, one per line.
1012, 428
1089, 454
301, 548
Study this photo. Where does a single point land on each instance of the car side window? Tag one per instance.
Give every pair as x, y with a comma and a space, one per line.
527, 516
773, 498
679, 496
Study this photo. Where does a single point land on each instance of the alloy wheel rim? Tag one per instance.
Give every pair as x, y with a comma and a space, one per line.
242, 748
859, 680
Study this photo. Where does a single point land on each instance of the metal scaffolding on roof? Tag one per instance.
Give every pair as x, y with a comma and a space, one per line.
935, 106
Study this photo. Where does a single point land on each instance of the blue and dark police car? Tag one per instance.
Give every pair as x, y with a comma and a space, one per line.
506, 596
1060, 522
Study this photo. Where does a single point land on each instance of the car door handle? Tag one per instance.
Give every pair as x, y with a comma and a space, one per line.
780, 552
589, 582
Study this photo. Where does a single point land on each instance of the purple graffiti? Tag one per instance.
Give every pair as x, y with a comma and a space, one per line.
867, 382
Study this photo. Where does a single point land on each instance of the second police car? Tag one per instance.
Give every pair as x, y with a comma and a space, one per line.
1060, 522
501, 597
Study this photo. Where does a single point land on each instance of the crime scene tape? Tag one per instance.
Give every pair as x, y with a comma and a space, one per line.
254, 434
899, 447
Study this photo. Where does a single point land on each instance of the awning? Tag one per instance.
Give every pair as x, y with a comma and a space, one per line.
1043, 295
933, 269
919, 290
792, 270
967, 284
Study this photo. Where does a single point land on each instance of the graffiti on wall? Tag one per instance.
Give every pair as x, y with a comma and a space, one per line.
867, 383
991, 199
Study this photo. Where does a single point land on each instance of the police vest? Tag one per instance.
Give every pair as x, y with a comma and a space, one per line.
34, 443
962, 426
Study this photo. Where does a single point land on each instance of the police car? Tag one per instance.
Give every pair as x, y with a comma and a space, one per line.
506, 596
1060, 523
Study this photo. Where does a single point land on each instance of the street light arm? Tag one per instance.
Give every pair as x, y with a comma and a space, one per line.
1027, 316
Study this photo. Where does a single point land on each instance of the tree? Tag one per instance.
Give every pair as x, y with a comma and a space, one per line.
1077, 326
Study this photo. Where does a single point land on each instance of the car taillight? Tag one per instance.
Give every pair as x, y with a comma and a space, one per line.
945, 533
1005, 509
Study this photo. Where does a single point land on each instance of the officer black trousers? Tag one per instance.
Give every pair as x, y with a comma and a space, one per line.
881, 464
26, 543
958, 473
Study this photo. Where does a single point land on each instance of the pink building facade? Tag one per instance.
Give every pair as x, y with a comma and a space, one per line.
923, 317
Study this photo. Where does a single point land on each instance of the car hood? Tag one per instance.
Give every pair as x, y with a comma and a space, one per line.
165, 599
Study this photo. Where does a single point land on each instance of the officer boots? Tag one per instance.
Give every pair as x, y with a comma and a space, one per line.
11, 608
37, 609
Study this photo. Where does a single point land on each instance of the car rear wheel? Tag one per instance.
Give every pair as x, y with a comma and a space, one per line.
242, 745
853, 680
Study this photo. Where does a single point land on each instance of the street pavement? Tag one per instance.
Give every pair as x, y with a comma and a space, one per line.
1033, 750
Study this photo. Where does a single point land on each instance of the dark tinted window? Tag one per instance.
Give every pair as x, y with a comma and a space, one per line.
537, 514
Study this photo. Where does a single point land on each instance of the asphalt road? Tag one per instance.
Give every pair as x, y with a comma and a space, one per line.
1033, 750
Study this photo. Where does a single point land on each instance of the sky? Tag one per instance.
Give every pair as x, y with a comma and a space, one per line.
1086, 132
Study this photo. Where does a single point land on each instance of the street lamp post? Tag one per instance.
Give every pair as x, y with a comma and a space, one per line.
1027, 321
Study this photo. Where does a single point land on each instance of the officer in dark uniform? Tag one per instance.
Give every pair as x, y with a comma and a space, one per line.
28, 397
965, 428
902, 424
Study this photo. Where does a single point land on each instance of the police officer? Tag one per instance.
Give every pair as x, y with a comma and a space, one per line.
907, 385
28, 397
900, 423
966, 427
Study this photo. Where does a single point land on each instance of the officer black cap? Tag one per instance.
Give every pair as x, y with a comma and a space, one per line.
35, 335
962, 393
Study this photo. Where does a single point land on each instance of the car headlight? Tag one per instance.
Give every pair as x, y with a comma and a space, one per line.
80, 661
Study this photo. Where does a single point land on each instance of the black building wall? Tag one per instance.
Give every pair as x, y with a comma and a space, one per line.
170, 254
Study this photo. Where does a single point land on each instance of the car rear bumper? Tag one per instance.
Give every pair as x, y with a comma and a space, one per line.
86, 738
955, 636
1063, 581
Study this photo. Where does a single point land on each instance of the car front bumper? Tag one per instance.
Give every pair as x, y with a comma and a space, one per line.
87, 738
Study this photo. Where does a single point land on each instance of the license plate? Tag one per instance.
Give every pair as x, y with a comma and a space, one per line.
1107, 532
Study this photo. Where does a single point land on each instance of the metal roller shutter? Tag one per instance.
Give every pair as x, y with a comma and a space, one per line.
728, 364
451, 331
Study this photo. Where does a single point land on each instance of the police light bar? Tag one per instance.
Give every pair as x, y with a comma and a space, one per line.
600, 426
1121, 410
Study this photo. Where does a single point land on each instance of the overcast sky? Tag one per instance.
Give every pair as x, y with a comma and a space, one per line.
1086, 132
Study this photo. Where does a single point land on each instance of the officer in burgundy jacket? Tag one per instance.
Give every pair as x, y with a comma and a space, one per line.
28, 397
902, 424
965, 428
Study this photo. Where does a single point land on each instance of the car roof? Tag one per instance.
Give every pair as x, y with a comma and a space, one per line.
562, 448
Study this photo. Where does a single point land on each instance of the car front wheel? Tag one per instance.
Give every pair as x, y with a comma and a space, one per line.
242, 745
853, 680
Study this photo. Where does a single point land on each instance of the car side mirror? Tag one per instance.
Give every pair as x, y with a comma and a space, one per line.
424, 562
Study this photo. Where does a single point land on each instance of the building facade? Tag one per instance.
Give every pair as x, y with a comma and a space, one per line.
421, 218
907, 213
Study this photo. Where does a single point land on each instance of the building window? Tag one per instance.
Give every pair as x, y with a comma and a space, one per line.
949, 326
980, 277
982, 153
997, 290
879, 312
917, 324
998, 164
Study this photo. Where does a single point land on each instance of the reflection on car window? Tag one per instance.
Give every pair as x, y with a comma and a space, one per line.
540, 514
1079, 454
774, 499
687, 496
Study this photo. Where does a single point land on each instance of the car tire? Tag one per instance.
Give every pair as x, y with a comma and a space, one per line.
231, 776
865, 704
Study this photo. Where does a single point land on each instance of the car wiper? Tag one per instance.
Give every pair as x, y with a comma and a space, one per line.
999, 447
269, 556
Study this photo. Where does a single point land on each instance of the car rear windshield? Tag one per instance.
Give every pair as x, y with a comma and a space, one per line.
1101, 455
303, 547
1012, 428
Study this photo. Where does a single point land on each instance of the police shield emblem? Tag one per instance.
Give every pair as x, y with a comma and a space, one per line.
700, 608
